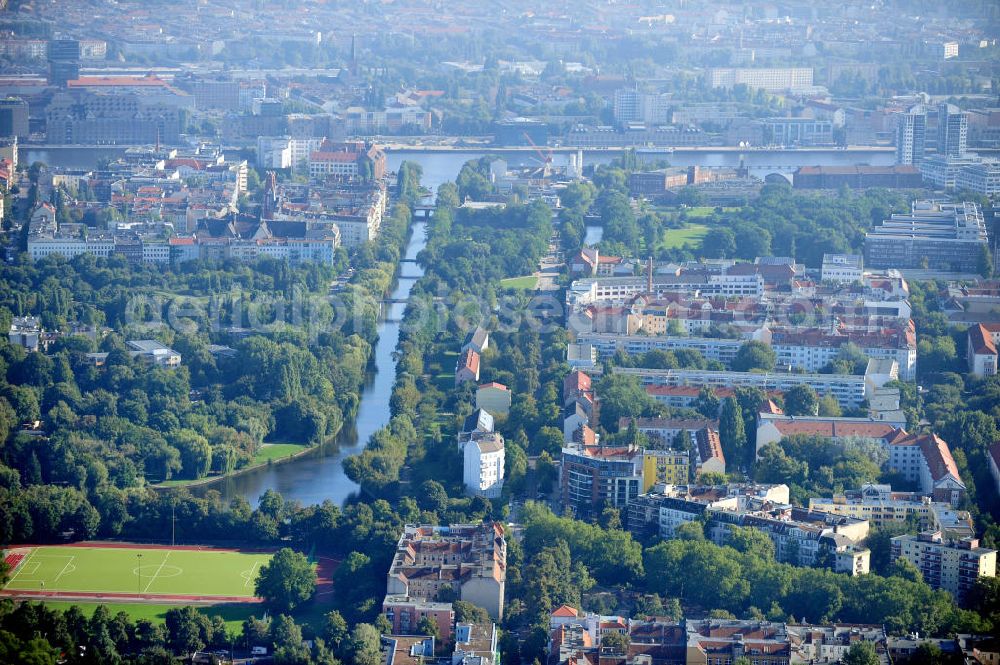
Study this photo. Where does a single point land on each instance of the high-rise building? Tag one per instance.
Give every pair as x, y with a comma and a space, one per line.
954, 566
64, 61
13, 118
911, 132
952, 130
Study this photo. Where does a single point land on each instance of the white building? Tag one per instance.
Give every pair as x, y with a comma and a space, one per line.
847, 389
772, 79
981, 348
982, 178
154, 352
842, 268
26, 332
954, 566
274, 152
41, 246
483, 457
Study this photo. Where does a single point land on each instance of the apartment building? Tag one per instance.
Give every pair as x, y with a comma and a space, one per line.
471, 559
842, 268
773, 427
807, 350
405, 613
952, 565
883, 507
981, 348
911, 136
926, 459
483, 465
772, 79
801, 537
591, 476
949, 237
847, 389
26, 332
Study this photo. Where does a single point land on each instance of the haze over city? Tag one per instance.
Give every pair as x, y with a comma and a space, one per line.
468, 333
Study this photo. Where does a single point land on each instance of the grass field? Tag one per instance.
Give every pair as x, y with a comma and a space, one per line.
137, 571
526, 283
676, 238
274, 451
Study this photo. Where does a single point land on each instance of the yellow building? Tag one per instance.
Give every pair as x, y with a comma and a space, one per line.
664, 466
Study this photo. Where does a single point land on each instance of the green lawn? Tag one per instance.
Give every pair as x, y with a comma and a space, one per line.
137, 570
526, 283
703, 211
676, 238
274, 451
234, 614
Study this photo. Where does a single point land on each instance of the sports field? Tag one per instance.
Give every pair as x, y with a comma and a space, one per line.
133, 572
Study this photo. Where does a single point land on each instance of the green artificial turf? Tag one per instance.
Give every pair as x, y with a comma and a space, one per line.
122, 570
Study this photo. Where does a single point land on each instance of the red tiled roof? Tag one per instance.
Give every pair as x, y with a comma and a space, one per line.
470, 361
565, 611
494, 384
982, 340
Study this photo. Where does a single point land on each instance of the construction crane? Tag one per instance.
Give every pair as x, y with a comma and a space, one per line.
544, 156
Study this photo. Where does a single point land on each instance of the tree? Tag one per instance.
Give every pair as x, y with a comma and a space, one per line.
719, 243
366, 645
466, 612
732, 432
828, 406
861, 653
428, 626
801, 400
615, 641
707, 403
287, 580
754, 355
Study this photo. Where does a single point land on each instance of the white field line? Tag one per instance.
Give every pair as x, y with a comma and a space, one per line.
153, 578
21, 567
253, 569
63, 571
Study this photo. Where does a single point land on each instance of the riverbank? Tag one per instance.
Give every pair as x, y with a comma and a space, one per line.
265, 459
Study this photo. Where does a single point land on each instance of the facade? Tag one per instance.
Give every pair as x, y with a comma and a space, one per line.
111, 118
471, 559
14, 118
405, 613
494, 397
847, 389
593, 476
467, 368
483, 465
943, 171
707, 454
797, 131
981, 348
805, 350
911, 135
952, 130
478, 340
857, 177
773, 427
938, 236
773, 79
981, 177
153, 352
347, 160
882, 507
926, 460
26, 332
950, 565
842, 268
